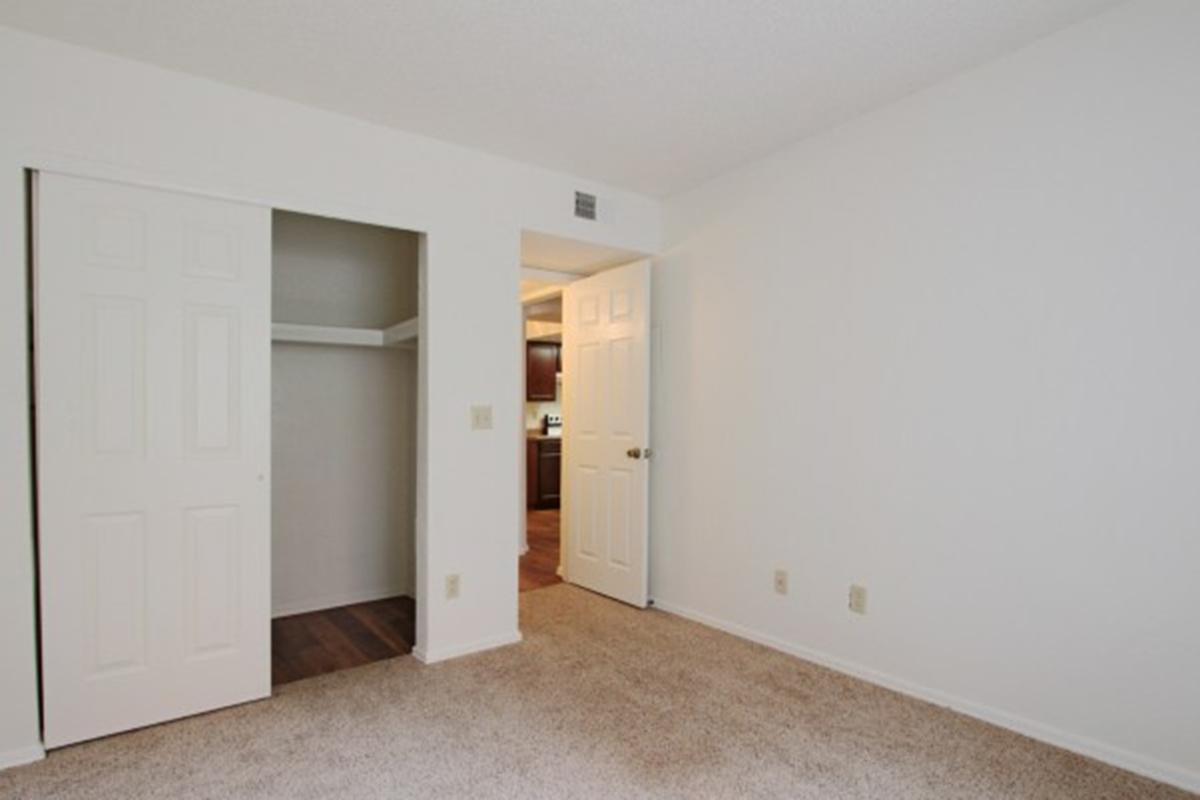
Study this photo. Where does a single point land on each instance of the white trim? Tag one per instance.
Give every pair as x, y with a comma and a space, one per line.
433, 656
1115, 756
22, 755
303, 606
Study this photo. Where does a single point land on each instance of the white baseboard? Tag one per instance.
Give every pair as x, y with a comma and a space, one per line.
304, 605
426, 656
1116, 756
22, 755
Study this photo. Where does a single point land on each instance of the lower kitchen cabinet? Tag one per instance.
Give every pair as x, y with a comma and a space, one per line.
543, 465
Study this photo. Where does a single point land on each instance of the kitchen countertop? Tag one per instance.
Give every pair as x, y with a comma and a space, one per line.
535, 434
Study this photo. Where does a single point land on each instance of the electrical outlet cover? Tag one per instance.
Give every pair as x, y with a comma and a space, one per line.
781, 581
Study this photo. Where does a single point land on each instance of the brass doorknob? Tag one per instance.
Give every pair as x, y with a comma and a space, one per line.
634, 452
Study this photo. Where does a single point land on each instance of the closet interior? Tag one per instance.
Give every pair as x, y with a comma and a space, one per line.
344, 432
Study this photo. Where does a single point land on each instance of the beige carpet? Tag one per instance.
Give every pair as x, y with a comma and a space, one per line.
599, 701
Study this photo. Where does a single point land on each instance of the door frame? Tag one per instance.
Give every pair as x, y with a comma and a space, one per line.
86, 169
559, 281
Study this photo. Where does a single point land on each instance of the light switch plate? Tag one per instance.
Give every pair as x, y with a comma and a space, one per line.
858, 599
452, 586
481, 418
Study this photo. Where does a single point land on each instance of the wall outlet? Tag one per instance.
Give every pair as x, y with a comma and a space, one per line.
452, 586
858, 599
781, 580
481, 418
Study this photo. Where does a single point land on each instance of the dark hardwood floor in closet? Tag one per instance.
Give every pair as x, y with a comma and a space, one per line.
539, 566
306, 645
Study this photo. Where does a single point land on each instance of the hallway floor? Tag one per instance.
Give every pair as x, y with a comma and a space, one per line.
539, 566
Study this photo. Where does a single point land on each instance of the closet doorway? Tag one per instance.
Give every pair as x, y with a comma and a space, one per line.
225, 411
344, 376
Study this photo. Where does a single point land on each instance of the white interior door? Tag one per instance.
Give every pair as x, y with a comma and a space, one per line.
606, 432
152, 360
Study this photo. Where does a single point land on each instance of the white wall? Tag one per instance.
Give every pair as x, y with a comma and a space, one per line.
343, 419
950, 351
333, 272
343, 475
75, 110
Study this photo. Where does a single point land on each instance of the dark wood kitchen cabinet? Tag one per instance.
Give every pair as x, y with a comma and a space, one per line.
542, 361
543, 471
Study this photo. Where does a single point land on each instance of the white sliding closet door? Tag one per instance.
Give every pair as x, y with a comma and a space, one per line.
153, 372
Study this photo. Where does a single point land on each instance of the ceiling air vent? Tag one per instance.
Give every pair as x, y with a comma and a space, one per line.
585, 205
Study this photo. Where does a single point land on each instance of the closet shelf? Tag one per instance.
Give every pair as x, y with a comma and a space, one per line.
398, 335
401, 333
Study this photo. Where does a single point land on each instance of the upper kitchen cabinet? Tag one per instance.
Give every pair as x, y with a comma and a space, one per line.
541, 367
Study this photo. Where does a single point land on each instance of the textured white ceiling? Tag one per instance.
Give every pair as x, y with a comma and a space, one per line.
650, 95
